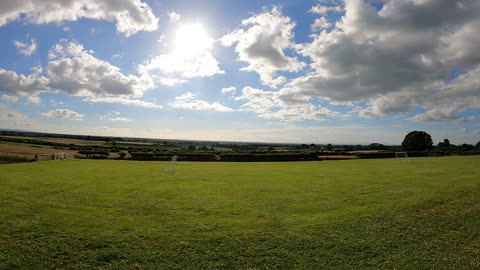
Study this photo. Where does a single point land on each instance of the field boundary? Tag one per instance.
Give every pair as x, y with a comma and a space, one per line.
22, 156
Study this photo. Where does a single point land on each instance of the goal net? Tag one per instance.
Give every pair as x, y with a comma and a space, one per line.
401, 155
172, 166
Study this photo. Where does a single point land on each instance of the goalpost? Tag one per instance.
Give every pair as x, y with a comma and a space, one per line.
172, 166
401, 155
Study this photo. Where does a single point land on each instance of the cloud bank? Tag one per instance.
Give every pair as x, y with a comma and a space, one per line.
130, 16
76, 71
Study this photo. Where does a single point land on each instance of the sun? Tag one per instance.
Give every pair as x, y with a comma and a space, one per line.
191, 40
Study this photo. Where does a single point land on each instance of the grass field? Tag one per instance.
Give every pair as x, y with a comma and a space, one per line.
423, 213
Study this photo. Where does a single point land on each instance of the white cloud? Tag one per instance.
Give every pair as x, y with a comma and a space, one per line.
437, 115
65, 48
15, 84
228, 90
130, 16
173, 16
387, 104
200, 105
119, 119
444, 101
8, 98
258, 101
204, 65
262, 44
395, 59
114, 117
320, 23
322, 9
161, 38
26, 48
188, 101
300, 113
76, 71
272, 105
37, 70
33, 99
124, 101
171, 81
64, 113
186, 96
54, 103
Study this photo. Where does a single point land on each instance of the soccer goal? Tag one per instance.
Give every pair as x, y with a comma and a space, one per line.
172, 166
401, 155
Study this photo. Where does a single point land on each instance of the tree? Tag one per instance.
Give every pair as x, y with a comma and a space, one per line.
376, 146
329, 147
445, 143
417, 141
467, 147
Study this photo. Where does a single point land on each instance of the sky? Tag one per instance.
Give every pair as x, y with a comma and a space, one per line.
297, 71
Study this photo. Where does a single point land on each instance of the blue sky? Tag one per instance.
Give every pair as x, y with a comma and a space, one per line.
319, 71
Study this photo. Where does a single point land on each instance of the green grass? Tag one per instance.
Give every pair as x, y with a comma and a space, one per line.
359, 214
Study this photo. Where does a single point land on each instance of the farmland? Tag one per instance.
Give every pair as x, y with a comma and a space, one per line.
57, 140
353, 214
21, 152
15, 148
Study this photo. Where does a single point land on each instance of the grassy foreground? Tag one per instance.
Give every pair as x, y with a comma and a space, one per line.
359, 214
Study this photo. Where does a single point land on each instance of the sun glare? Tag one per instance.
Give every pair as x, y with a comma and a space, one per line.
191, 40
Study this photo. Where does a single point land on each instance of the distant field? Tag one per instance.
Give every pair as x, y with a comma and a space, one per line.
26, 144
79, 142
71, 141
417, 213
60, 140
18, 151
134, 144
22, 149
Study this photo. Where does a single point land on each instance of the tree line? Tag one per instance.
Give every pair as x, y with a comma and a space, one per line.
422, 141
